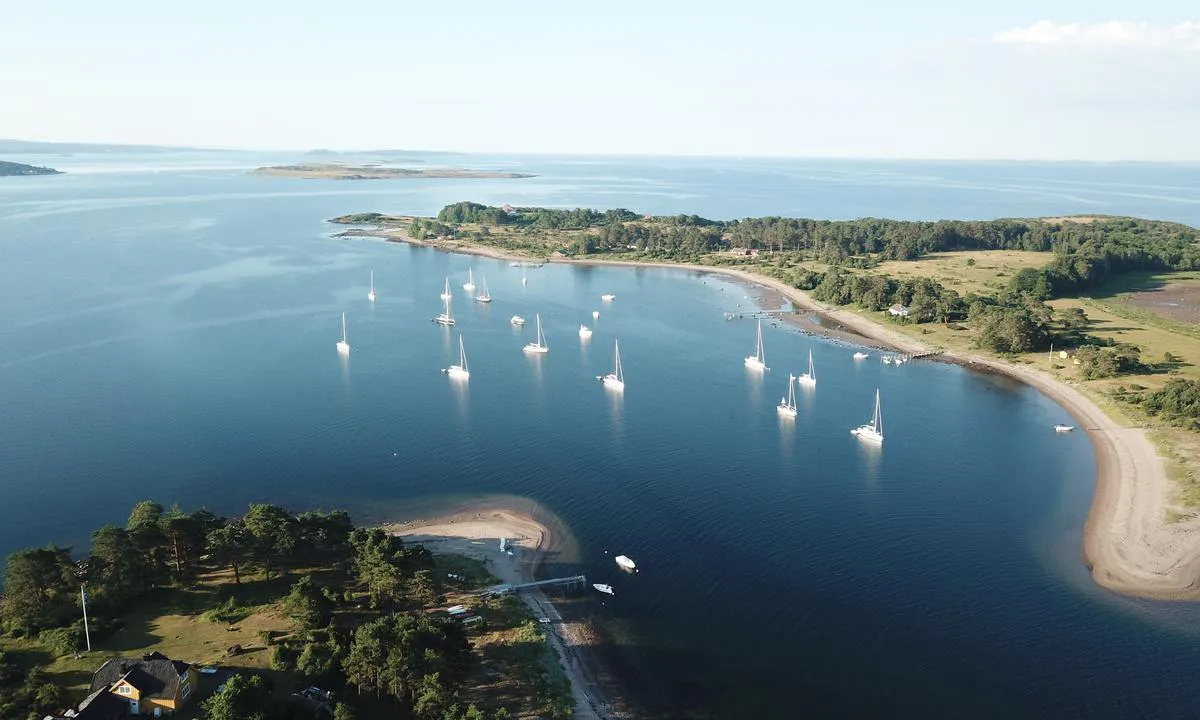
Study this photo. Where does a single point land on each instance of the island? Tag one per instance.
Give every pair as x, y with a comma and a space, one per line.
276, 613
1097, 312
14, 168
338, 171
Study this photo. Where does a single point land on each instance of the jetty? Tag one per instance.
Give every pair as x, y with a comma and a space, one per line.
563, 584
755, 314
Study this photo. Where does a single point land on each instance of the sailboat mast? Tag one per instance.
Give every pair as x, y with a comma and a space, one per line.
617, 354
343, 327
877, 422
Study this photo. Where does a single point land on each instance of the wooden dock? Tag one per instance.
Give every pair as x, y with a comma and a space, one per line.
564, 584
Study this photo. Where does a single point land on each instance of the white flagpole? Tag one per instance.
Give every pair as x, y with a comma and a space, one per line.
86, 633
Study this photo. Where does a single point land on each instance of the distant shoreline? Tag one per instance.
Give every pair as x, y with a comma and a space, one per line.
16, 169
336, 171
1128, 544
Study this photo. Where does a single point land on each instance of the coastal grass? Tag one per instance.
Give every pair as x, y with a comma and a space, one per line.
983, 272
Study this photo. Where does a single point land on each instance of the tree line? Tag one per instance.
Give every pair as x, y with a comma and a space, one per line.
368, 632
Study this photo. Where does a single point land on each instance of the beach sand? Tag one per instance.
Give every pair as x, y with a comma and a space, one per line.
475, 530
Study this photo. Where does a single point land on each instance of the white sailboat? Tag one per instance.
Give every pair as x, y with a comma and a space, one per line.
459, 371
517, 320
540, 345
585, 332
469, 285
758, 361
809, 379
445, 318
484, 296
616, 378
371, 292
872, 431
446, 292
342, 345
524, 280
787, 405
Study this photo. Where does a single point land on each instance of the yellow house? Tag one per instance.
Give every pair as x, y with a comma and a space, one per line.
154, 685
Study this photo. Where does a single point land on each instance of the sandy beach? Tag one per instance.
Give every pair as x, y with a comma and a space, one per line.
1129, 543
474, 530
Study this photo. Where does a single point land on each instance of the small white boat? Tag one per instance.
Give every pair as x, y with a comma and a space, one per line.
524, 280
484, 296
872, 431
469, 285
540, 345
626, 562
887, 359
445, 318
459, 371
606, 589
787, 405
861, 356
585, 332
517, 320
342, 345
371, 292
608, 297
758, 361
615, 379
1060, 428
595, 314
514, 264
808, 379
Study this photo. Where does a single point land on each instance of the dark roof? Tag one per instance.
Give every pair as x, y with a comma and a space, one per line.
156, 677
100, 705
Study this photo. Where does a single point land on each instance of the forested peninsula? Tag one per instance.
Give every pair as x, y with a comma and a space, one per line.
14, 168
270, 615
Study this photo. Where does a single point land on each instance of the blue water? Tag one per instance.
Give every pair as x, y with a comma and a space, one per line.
167, 329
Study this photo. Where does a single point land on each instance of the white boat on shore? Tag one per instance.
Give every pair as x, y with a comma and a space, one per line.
343, 346
861, 356
1060, 428
808, 379
539, 346
787, 405
758, 361
872, 431
615, 380
585, 332
517, 320
606, 589
626, 562
459, 371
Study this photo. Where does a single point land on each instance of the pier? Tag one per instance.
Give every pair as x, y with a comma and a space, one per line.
754, 314
564, 584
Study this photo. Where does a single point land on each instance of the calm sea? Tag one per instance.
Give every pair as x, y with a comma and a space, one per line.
167, 327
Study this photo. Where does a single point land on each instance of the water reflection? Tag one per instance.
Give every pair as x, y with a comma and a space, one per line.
870, 455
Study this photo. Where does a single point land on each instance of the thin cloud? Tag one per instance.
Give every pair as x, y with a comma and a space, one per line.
1114, 34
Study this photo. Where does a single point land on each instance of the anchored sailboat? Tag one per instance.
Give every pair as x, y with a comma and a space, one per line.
469, 285
758, 361
459, 371
539, 346
371, 292
342, 345
445, 318
809, 379
446, 292
872, 431
787, 405
585, 332
484, 296
616, 378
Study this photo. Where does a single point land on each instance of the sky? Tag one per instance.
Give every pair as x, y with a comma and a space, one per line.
1012, 79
